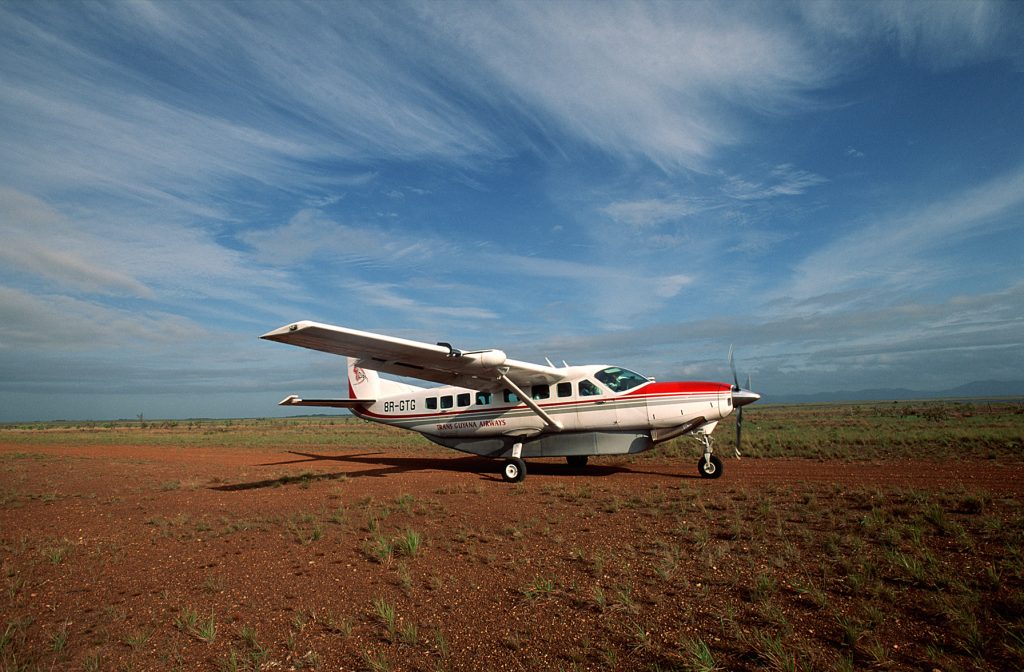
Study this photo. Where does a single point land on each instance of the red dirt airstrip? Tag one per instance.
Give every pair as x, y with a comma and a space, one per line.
116, 557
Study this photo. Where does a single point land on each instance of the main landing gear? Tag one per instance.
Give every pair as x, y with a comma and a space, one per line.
709, 465
514, 470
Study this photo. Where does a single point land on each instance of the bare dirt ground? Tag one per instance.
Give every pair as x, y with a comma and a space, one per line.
152, 558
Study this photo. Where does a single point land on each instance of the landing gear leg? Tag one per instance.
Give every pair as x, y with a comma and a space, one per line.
709, 465
514, 470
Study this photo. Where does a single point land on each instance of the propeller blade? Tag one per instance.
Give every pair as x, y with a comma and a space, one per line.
740, 398
732, 367
739, 430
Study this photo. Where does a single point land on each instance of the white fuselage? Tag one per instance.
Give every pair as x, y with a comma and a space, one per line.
580, 402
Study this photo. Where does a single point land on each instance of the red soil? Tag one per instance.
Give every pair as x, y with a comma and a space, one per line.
113, 545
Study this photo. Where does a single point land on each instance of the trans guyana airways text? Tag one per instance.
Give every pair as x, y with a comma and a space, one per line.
470, 424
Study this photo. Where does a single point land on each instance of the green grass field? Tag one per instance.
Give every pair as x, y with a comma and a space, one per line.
929, 430
925, 430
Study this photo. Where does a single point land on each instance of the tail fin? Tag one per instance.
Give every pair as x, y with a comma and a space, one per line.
367, 383
362, 383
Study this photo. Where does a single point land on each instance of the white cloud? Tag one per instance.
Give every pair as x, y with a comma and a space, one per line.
782, 180
40, 240
226, 103
896, 251
938, 33
392, 298
109, 253
637, 80
312, 234
63, 323
646, 213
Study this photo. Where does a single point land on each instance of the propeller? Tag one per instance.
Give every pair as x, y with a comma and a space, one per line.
740, 398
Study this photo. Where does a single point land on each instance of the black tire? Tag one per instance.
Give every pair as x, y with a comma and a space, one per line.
514, 470
577, 461
712, 469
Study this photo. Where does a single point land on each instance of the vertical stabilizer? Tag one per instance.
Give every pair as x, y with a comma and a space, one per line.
362, 383
367, 384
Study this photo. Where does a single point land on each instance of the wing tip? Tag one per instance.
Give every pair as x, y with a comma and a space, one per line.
281, 332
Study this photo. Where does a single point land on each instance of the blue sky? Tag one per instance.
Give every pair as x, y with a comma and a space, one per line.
836, 188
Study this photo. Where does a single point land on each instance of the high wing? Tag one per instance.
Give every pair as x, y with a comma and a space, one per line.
441, 363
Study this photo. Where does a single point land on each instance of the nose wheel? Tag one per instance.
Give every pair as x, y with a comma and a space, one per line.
709, 466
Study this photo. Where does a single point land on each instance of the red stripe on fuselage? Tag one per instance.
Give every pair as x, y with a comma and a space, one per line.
681, 387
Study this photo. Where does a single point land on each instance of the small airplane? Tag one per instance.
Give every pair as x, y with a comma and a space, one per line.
498, 407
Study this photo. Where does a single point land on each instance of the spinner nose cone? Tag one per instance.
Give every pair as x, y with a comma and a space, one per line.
741, 397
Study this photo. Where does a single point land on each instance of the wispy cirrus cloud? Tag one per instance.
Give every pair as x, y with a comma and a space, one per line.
648, 212
114, 254
638, 79
939, 34
782, 180
225, 104
394, 297
898, 250
34, 321
40, 240
474, 275
310, 233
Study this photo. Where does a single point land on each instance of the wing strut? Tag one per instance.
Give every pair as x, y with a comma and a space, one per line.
548, 420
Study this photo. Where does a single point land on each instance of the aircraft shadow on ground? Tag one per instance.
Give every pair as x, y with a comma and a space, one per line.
382, 465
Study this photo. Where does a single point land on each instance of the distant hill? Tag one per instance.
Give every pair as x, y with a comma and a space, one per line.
979, 388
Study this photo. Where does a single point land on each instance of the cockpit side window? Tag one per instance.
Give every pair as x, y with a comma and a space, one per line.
620, 380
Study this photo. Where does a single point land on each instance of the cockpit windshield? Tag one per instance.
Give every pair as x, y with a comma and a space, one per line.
620, 380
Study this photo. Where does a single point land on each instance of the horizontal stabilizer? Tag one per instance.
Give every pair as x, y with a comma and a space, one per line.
294, 400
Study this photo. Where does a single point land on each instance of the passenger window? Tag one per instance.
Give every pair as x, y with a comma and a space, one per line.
540, 392
510, 397
464, 399
588, 389
446, 402
483, 398
565, 389
432, 403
